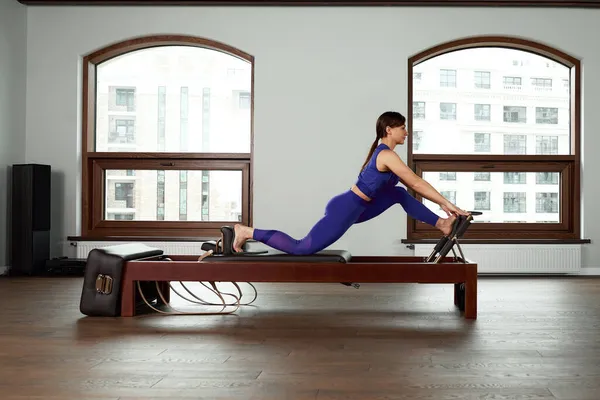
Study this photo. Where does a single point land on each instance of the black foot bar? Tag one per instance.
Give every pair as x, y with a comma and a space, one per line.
447, 242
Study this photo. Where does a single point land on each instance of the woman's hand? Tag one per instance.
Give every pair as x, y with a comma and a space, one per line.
451, 209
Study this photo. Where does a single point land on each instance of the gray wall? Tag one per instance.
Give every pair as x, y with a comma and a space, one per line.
13, 53
322, 77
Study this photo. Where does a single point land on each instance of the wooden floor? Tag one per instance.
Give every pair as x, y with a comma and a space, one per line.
535, 338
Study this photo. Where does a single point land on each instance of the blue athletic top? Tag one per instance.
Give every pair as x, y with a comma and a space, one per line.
371, 180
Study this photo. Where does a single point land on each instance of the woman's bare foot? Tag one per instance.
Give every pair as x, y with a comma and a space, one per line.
241, 234
445, 224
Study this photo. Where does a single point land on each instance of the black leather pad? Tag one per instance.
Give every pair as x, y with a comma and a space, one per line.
324, 256
109, 262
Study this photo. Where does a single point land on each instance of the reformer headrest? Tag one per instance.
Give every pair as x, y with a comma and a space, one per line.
131, 251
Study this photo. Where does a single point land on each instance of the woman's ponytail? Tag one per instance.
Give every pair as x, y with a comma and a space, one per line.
373, 147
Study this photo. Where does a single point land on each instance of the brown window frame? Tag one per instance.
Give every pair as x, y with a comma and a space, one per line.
94, 164
567, 165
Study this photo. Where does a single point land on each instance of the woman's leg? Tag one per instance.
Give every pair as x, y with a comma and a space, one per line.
399, 195
341, 213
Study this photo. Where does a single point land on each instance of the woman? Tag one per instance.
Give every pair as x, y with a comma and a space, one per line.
374, 192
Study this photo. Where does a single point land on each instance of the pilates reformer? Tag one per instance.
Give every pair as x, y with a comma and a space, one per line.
135, 279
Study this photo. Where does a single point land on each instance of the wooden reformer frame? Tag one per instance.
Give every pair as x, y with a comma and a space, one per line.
365, 269
328, 266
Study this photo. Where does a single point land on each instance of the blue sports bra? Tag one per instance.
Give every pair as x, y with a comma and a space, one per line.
371, 180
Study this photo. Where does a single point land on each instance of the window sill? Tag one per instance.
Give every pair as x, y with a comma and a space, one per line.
139, 239
502, 241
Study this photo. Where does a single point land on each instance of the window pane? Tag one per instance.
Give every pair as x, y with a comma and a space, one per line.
501, 196
172, 195
173, 99
491, 100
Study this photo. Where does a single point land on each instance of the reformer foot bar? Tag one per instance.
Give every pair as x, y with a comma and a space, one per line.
143, 275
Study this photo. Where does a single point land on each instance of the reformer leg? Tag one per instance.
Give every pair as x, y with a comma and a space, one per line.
470, 295
459, 296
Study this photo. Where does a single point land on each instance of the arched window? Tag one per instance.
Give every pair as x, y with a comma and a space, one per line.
495, 125
167, 138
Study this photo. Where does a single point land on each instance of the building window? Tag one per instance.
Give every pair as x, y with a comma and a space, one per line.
160, 195
417, 136
542, 83
515, 178
183, 144
482, 142
448, 111
171, 143
121, 195
506, 166
515, 144
447, 176
184, 109
546, 203
449, 194
483, 112
124, 191
183, 195
515, 202
161, 116
481, 176
546, 145
122, 131
546, 178
244, 100
122, 98
448, 78
481, 201
482, 79
419, 109
515, 114
121, 216
546, 115
511, 82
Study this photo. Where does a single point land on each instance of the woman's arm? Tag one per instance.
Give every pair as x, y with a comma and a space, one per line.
394, 163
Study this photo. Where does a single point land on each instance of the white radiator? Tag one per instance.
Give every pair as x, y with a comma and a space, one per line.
518, 259
178, 248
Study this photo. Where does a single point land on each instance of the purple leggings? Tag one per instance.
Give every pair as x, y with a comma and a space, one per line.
343, 211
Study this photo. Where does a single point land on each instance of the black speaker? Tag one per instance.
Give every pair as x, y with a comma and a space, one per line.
31, 185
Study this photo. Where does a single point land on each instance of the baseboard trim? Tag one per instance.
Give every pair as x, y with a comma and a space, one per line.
589, 271
4, 270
